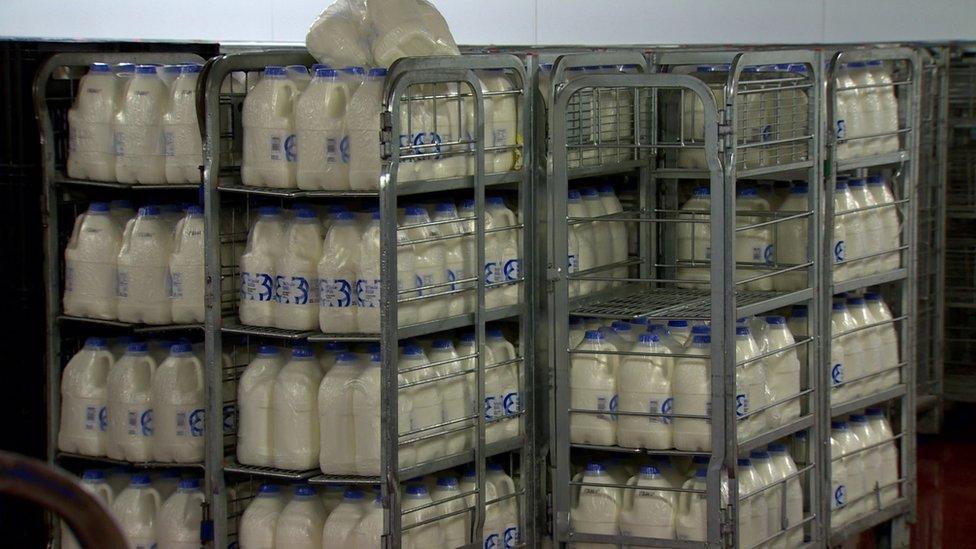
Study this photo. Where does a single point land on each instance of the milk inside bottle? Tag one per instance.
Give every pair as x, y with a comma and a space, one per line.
93, 481
255, 391
583, 256
178, 407
644, 385
618, 230
301, 521
457, 261
338, 273
456, 394
849, 242
694, 238
647, 512
135, 510
691, 386
338, 527
182, 145
186, 269
507, 510
751, 385
369, 531
295, 426
429, 263
368, 287
870, 460
455, 528
84, 400
296, 284
138, 137
337, 455
870, 223
597, 508
881, 433
870, 342
178, 523
782, 371
853, 341
848, 118
91, 153
768, 474
427, 403
130, 413
889, 341
785, 467
363, 125
260, 519
593, 386
427, 535
753, 246
505, 246
323, 148
890, 228
752, 511
792, 238
502, 351
90, 264
601, 231
143, 268
366, 415
839, 513
257, 267
270, 145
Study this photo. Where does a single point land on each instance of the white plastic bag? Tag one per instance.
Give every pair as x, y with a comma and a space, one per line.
338, 37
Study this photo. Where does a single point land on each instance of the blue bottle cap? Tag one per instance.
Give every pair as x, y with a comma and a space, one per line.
181, 348
137, 347
301, 351
274, 71
188, 484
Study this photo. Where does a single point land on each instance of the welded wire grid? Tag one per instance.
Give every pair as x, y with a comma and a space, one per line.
961, 272
604, 126
772, 112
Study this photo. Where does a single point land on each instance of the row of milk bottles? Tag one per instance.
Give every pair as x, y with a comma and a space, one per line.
143, 404
865, 110
631, 397
756, 249
652, 508
164, 513
595, 244
352, 518
323, 132
145, 267
601, 130
303, 271
863, 467
779, 115
864, 349
326, 412
865, 226
136, 124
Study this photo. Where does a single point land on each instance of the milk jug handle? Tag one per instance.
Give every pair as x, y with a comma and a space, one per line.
576, 489
108, 356
157, 499
684, 498
629, 494
77, 228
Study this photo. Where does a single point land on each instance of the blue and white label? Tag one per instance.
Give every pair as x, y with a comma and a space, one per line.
573, 263
335, 292
174, 280
368, 293
491, 406
291, 148
257, 287
452, 277
511, 270
230, 419
511, 537
607, 404
492, 541
741, 405
837, 374
667, 408
840, 251
122, 283
841, 129
492, 276
296, 290
197, 418
190, 422
768, 254
840, 496
344, 148
510, 403
140, 422
424, 280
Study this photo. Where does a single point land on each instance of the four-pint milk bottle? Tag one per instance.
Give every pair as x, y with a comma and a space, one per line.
182, 143
301, 521
323, 148
91, 153
296, 417
135, 510
130, 413
178, 407
90, 264
644, 385
138, 138
270, 147
143, 269
593, 386
338, 273
296, 277
255, 391
260, 519
337, 425
647, 512
363, 127
92, 481
178, 522
691, 385
84, 412
257, 265
186, 276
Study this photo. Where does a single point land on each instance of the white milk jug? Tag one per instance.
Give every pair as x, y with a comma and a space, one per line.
135, 510
507, 509
323, 148
501, 124
601, 231
338, 527
792, 238
93, 481
785, 467
504, 245
368, 287
889, 105
839, 392
84, 400
870, 458
182, 145
456, 395
890, 227
91, 152
848, 118
644, 386
871, 223
647, 512
255, 391
178, 522
502, 350
694, 238
260, 519
752, 506
301, 521
337, 455
856, 480
593, 386
270, 147
138, 129
338, 273
428, 535
870, 343
186, 276
680, 332
295, 426
751, 385
130, 413
848, 252
584, 256
143, 267
597, 509
166, 482
618, 230
178, 407
782, 371
90, 261
691, 386
890, 349
363, 127
690, 516
427, 402
768, 474
257, 267
368, 417
430, 263
369, 532
753, 246
455, 528
854, 364
457, 261
798, 326
882, 434
296, 284
839, 510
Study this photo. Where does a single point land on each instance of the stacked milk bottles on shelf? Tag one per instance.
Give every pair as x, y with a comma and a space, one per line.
180, 516
92, 481
91, 262
84, 400
865, 347
130, 413
182, 142
270, 145
135, 509
138, 129
322, 144
177, 400
91, 153
584, 251
186, 276
865, 110
143, 267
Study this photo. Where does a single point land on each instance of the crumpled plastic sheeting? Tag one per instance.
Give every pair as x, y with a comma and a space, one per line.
375, 33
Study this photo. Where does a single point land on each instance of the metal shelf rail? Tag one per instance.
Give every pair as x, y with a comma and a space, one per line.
55, 88
668, 128
897, 286
230, 206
